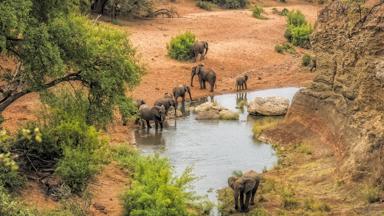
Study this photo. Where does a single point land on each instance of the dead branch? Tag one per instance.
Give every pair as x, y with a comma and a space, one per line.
169, 13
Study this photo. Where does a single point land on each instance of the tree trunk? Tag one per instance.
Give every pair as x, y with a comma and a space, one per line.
99, 5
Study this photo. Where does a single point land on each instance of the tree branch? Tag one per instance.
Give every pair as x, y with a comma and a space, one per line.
9, 99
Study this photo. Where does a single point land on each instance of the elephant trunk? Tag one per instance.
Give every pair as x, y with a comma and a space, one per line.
206, 46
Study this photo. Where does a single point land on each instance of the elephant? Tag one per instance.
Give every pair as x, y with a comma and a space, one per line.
180, 91
205, 75
241, 82
138, 103
167, 102
246, 185
200, 47
155, 113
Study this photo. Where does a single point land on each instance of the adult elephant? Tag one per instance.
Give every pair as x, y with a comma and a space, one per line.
181, 91
200, 47
167, 102
155, 113
205, 75
246, 185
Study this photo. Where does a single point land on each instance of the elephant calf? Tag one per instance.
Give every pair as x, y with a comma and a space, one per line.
156, 114
241, 82
246, 185
167, 102
200, 47
205, 75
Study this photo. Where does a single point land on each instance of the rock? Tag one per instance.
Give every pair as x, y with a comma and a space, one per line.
208, 115
228, 115
208, 106
98, 206
269, 106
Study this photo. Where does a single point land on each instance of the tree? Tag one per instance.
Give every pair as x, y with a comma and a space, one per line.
53, 43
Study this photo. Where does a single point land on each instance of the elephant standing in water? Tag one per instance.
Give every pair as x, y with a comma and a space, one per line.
167, 102
156, 114
205, 75
181, 91
241, 82
200, 47
246, 185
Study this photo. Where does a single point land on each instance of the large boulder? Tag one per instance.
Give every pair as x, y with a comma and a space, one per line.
269, 106
208, 106
213, 111
208, 115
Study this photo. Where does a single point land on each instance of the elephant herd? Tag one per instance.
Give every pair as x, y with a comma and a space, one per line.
244, 187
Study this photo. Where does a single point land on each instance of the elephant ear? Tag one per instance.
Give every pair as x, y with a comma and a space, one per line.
231, 182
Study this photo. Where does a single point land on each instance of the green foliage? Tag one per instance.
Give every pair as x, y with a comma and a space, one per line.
180, 47
289, 201
284, 12
54, 44
154, 190
131, 8
127, 109
11, 207
257, 12
316, 206
286, 47
10, 178
231, 4
299, 30
306, 60
205, 5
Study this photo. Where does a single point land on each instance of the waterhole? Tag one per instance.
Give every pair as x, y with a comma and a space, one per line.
214, 148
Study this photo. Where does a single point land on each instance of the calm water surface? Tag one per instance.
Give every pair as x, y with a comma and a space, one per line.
213, 148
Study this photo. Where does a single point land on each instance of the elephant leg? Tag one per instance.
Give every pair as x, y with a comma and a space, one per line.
183, 101
241, 201
148, 125
156, 124
204, 85
253, 196
247, 197
161, 125
212, 86
236, 198
245, 84
201, 84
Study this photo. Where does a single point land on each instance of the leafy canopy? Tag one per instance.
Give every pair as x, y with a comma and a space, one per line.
53, 43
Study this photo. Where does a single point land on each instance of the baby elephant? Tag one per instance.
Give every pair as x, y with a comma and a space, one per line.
246, 185
241, 82
200, 47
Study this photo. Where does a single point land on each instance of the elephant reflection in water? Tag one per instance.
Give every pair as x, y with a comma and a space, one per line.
241, 100
146, 137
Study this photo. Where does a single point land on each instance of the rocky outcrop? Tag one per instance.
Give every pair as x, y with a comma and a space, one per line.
213, 111
268, 106
344, 106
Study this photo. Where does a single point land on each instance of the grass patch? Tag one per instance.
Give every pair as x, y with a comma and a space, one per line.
316, 206
257, 12
180, 47
285, 48
264, 123
154, 189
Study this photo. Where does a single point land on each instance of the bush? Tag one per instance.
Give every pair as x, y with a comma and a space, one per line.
286, 47
296, 18
154, 190
371, 194
284, 12
231, 4
306, 60
257, 11
205, 5
10, 207
298, 31
180, 47
9, 175
263, 124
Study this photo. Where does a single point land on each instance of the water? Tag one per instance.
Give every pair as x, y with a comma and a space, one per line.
213, 148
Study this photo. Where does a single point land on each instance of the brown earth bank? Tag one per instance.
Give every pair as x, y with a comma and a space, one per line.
342, 110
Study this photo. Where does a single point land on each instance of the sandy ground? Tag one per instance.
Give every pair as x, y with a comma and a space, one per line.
238, 43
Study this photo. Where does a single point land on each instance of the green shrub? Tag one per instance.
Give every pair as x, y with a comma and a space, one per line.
154, 190
11, 207
298, 31
231, 4
9, 175
288, 198
205, 5
286, 47
296, 18
300, 35
257, 12
371, 194
284, 12
306, 60
128, 109
180, 47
